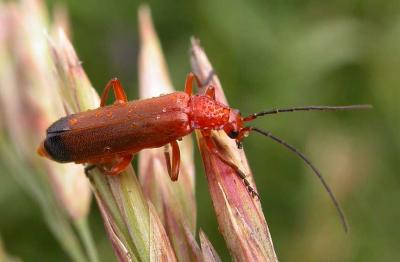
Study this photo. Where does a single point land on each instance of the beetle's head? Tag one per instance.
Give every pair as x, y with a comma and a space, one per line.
234, 125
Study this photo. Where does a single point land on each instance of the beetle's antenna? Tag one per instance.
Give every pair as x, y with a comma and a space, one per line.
316, 171
305, 108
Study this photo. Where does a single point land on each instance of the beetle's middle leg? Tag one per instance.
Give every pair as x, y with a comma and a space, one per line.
173, 170
189, 81
213, 148
119, 92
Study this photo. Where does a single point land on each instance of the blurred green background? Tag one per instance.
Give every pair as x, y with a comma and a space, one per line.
267, 54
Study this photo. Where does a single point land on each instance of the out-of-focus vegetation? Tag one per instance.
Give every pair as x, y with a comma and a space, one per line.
267, 54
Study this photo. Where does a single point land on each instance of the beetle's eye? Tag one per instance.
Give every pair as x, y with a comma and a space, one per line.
233, 134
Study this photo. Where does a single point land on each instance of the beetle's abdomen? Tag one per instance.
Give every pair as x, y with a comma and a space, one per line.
207, 113
54, 145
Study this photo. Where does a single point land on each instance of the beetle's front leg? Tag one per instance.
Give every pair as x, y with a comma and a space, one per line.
214, 149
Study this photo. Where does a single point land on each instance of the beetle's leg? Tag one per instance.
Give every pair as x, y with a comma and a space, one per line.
173, 170
88, 168
213, 148
210, 92
119, 92
167, 156
189, 84
120, 166
176, 160
189, 81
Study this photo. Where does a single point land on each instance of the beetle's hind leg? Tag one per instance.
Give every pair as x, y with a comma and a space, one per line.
88, 168
120, 166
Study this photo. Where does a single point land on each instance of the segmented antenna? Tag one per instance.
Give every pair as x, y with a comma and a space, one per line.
306, 108
316, 171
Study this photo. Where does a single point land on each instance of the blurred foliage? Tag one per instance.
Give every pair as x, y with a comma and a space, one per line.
267, 54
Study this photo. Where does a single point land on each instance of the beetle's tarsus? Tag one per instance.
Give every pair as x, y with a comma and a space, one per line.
249, 188
253, 193
87, 170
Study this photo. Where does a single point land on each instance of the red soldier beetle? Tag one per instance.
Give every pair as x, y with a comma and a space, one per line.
111, 135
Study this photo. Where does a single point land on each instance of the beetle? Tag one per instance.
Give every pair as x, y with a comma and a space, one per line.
111, 135
114, 133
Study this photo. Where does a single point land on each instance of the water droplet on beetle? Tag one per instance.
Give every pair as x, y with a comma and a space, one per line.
73, 121
158, 117
164, 110
107, 149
